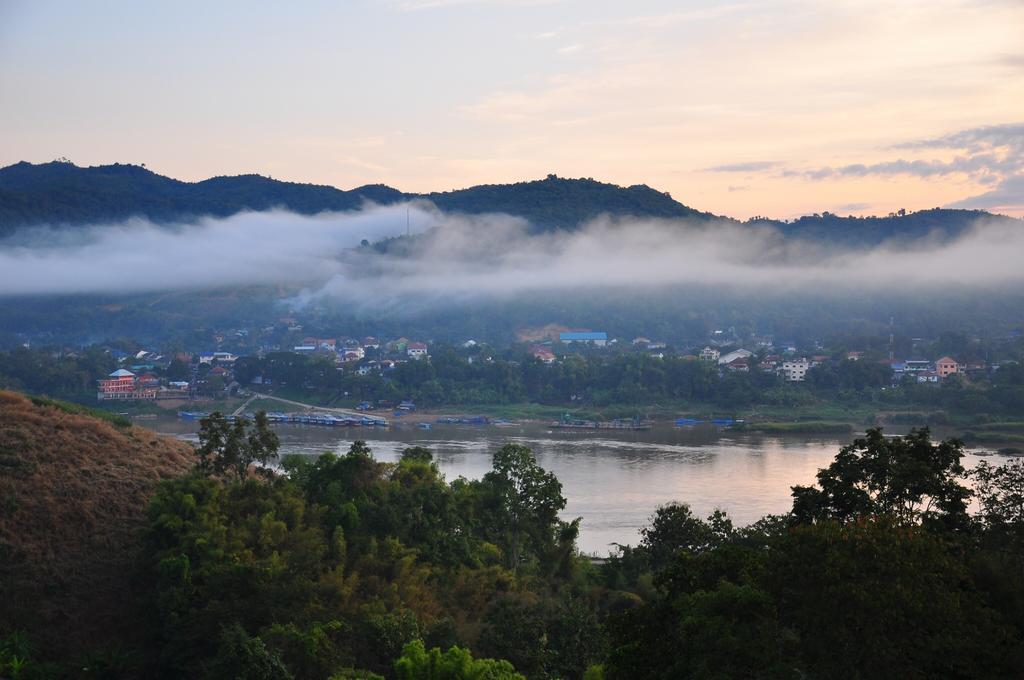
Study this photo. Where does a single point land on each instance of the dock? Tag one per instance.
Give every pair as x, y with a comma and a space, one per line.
634, 424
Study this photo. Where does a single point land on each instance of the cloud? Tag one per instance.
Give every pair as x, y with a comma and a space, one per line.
749, 166
245, 249
976, 140
1007, 197
460, 258
469, 260
853, 207
991, 155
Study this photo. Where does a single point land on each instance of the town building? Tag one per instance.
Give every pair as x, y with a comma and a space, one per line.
709, 354
598, 338
544, 354
947, 366
795, 370
415, 350
740, 364
726, 359
123, 384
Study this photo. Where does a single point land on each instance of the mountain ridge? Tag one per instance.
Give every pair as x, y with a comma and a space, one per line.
62, 193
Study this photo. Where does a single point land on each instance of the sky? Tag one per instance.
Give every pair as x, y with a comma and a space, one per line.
774, 107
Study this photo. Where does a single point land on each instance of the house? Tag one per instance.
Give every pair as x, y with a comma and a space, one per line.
928, 376
415, 350
854, 356
642, 341
117, 385
304, 349
917, 365
598, 338
947, 366
149, 380
740, 364
371, 342
224, 357
122, 384
897, 366
709, 354
726, 359
544, 354
795, 370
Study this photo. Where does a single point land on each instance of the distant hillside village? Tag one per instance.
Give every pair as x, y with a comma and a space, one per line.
150, 375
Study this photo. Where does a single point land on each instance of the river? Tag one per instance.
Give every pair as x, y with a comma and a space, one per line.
614, 480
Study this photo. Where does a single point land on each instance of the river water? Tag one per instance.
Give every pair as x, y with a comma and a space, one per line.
614, 480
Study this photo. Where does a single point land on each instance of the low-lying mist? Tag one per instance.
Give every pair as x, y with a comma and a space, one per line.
454, 257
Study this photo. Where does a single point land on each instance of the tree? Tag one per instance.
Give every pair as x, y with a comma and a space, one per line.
675, 528
416, 663
241, 657
1000, 491
524, 501
227, 447
908, 478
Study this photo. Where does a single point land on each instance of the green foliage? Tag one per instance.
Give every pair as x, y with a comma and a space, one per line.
521, 505
346, 560
51, 373
906, 478
1000, 492
416, 663
67, 407
230, 448
241, 657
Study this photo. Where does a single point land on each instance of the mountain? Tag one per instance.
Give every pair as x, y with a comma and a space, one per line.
74, 490
559, 202
940, 223
61, 193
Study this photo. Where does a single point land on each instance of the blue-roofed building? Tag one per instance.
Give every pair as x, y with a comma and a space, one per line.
599, 339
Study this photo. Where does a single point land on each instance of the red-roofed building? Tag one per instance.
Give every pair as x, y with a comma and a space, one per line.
544, 354
947, 366
122, 384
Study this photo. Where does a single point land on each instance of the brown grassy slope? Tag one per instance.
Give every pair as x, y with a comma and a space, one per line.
73, 494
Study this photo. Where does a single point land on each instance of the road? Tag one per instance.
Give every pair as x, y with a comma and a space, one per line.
307, 407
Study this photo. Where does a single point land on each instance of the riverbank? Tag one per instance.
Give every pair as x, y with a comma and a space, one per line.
810, 419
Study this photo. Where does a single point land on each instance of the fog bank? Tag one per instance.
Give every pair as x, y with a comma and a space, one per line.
459, 258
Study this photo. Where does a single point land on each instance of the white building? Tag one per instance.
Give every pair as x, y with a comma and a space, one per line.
415, 350
709, 354
795, 370
726, 359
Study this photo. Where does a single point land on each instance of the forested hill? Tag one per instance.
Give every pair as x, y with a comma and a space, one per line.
61, 193
940, 222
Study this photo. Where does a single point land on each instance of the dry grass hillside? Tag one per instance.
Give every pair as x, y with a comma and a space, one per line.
73, 493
